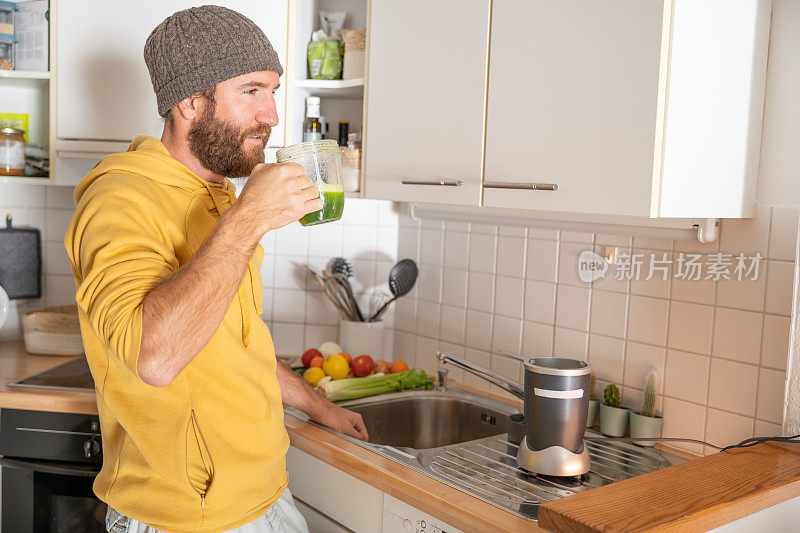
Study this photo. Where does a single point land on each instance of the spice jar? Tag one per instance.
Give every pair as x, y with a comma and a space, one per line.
12, 152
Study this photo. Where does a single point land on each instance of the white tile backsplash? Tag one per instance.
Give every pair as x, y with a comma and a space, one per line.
509, 296
511, 256
724, 428
733, 386
482, 250
542, 260
647, 320
690, 327
783, 237
737, 335
775, 342
609, 313
572, 307
686, 376
480, 294
456, 250
540, 301
607, 357
771, 385
778, 300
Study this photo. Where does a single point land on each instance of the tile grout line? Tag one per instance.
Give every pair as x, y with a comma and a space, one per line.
763, 321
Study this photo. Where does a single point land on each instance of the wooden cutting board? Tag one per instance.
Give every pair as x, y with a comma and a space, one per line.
694, 496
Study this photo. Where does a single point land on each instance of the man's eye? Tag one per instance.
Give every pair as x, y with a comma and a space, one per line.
252, 91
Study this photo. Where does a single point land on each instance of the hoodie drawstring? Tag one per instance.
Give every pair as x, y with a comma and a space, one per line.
244, 308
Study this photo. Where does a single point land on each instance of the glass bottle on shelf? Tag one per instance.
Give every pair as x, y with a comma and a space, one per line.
312, 127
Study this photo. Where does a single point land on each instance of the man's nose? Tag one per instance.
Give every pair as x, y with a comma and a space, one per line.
268, 114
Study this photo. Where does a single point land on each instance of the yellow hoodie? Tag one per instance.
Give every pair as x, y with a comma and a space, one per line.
207, 452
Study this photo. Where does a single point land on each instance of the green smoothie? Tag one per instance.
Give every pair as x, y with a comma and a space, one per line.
333, 198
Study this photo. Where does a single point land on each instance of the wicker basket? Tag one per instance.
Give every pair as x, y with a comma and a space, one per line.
53, 331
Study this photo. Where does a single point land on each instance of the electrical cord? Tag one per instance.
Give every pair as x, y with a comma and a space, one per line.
744, 444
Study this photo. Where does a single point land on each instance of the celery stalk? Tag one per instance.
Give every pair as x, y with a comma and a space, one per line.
354, 388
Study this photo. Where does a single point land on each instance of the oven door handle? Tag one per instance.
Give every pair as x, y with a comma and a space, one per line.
50, 467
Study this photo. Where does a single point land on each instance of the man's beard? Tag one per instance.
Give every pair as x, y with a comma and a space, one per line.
219, 145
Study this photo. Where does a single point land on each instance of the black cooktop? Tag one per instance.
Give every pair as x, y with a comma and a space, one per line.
72, 375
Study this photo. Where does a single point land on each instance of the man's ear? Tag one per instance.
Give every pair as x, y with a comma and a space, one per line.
190, 107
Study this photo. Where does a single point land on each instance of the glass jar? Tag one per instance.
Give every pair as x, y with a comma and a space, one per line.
322, 161
12, 152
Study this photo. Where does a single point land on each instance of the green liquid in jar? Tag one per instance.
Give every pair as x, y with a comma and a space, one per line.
333, 198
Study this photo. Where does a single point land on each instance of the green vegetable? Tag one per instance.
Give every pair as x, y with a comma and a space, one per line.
354, 388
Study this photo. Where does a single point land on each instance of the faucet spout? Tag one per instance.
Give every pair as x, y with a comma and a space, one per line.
491, 376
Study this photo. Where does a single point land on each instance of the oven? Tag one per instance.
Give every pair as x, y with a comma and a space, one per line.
49, 462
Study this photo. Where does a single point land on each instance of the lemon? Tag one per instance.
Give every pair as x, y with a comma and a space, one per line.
313, 375
336, 367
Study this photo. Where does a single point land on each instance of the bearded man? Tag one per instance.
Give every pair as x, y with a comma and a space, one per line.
167, 266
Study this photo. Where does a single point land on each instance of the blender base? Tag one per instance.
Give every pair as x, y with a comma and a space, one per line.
553, 461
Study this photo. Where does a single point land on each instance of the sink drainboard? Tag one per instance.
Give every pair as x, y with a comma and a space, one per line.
487, 469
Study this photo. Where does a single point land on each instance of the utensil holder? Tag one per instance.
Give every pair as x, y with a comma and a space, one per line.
357, 338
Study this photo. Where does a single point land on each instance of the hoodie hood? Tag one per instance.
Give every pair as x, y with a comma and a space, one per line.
147, 157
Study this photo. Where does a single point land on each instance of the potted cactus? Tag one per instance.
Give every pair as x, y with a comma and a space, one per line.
646, 423
613, 417
594, 403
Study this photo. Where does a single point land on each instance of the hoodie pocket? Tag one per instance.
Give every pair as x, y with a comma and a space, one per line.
199, 467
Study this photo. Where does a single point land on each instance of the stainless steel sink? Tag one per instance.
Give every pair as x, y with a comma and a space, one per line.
460, 439
428, 419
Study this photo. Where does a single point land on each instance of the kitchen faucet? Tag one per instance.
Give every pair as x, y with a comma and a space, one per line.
491, 376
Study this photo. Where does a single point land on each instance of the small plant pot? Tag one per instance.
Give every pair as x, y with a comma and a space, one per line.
613, 420
645, 427
594, 406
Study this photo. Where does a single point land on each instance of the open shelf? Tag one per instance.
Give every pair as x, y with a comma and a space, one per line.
24, 180
333, 88
25, 74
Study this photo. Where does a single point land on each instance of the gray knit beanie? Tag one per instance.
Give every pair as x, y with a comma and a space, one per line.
197, 48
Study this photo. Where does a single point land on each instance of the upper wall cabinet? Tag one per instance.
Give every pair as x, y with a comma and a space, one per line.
103, 86
644, 108
423, 137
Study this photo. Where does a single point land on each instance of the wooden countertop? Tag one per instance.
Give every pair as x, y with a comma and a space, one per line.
692, 496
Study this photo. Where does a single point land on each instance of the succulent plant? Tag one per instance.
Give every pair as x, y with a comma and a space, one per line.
611, 395
649, 397
592, 386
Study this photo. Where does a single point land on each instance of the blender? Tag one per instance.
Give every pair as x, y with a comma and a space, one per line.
556, 396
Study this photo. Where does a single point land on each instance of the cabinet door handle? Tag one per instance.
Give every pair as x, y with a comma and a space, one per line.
442, 183
526, 186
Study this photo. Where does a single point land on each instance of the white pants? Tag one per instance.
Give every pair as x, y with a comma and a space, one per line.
282, 517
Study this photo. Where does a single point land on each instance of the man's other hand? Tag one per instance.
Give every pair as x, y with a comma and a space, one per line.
341, 420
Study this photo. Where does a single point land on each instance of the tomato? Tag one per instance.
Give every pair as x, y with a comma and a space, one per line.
309, 355
381, 366
317, 362
363, 365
